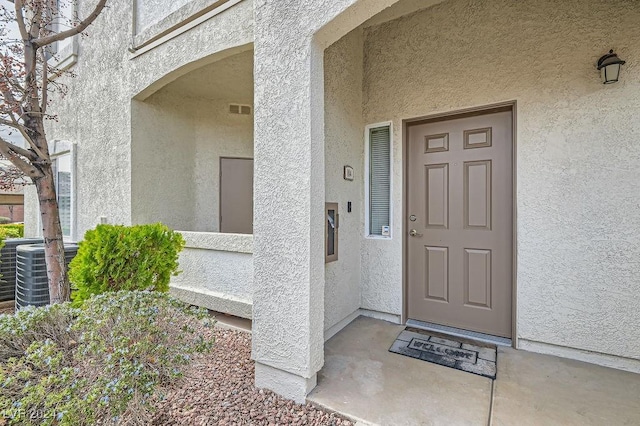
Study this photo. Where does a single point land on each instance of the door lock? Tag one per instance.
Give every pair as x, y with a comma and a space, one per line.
414, 233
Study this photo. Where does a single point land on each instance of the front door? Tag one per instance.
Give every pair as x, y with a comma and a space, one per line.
460, 222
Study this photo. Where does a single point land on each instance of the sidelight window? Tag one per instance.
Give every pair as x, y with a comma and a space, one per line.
378, 180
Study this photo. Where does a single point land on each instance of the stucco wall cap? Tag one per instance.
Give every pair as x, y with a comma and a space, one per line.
239, 243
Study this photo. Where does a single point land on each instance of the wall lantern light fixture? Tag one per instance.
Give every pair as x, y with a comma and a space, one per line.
609, 67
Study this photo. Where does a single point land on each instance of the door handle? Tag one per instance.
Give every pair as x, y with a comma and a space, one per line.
414, 233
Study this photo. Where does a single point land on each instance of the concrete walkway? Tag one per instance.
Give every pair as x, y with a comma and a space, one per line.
364, 381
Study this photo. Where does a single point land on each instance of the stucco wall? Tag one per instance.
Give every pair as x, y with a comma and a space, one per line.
163, 156
343, 146
217, 272
150, 11
577, 152
95, 113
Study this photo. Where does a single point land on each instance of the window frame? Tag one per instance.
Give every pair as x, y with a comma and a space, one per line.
367, 181
63, 54
62, 148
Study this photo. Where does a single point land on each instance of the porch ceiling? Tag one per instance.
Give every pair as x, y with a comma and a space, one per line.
399, 9
230, 79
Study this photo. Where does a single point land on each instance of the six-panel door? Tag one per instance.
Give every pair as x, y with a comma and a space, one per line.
460, 222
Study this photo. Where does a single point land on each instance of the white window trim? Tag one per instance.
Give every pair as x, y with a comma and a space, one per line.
367, 129
66, 148
66, 55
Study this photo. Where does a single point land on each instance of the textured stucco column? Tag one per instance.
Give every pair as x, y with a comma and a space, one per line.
289, 193
288, 309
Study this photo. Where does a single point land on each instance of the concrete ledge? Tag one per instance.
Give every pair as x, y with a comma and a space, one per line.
213, 301
150, 31
239, 243
284, 383
605, 360
67, 57
176, 23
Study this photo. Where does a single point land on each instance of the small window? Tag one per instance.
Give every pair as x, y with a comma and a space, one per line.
63, 156
378, 162
63, 179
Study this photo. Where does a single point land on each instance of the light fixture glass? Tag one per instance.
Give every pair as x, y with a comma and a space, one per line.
609, 66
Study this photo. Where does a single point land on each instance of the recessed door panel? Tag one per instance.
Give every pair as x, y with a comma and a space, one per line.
477, 138
436, 143
437, 185
437, 274
477, 278
477, 194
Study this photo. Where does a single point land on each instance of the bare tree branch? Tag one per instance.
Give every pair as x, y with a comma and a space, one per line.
6, 149
36, 20
11, 177
82, 25
20, 18
31, 156
45, 81
10, 123
14, 123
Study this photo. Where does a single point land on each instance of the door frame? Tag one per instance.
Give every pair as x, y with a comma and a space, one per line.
450, 115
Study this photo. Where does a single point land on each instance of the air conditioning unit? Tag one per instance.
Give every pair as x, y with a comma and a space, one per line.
8, 266
32, 286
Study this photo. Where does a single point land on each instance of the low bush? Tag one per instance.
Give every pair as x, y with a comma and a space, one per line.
12, 230
4, 219
115, 257
99, 364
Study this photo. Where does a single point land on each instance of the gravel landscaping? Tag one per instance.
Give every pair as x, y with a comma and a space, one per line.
7, 307
217, 389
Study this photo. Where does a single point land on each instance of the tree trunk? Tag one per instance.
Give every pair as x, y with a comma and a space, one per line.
59, 290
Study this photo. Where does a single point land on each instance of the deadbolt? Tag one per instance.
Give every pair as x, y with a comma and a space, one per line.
412, 218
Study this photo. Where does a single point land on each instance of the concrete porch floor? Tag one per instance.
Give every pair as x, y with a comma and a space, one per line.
364, 381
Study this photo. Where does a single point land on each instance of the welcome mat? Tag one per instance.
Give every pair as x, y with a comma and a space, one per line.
459, 353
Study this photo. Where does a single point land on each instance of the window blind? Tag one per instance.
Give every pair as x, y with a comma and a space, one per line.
379, 178
64, 202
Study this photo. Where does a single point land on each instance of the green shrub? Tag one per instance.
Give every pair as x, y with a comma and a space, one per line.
115, 257
12, 230
97, 364
4, 219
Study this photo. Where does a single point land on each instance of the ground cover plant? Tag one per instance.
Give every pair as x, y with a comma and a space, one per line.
98, 364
